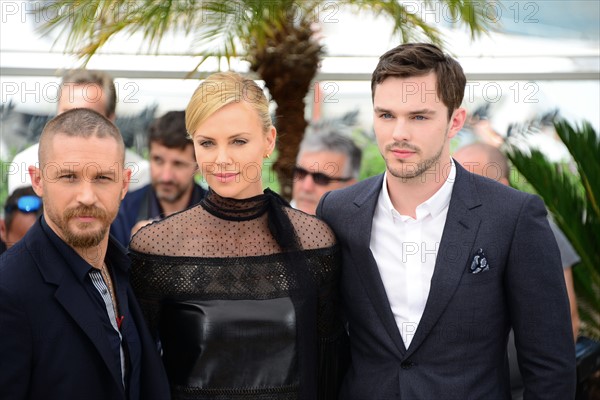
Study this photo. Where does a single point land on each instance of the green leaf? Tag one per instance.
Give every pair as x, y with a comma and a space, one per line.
571, 194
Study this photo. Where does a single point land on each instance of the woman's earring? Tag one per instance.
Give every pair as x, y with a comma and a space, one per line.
267, 155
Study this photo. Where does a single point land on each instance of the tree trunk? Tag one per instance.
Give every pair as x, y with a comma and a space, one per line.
287, 63
290, 124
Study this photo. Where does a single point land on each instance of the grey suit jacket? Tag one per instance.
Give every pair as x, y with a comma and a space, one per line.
459, 347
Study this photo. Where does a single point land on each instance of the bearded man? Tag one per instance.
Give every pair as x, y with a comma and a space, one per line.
71, 327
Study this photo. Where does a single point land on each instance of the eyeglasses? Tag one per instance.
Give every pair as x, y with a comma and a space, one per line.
25, 204
318, 178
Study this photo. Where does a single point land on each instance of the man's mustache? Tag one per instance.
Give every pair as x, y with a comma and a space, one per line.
85, 211
401, 146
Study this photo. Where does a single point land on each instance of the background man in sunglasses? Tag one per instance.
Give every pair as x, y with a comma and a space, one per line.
21, 210
326, 161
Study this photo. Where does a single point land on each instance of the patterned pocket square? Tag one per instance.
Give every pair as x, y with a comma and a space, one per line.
479, 263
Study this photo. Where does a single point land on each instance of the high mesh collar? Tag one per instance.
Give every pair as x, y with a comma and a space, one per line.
236, 209
224, 227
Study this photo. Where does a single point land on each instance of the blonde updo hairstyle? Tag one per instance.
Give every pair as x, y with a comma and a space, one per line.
220, 89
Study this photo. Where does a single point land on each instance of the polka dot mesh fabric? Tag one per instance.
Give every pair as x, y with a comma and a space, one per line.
221, 227
225, 249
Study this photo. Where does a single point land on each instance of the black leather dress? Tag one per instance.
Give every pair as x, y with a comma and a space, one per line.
242, 296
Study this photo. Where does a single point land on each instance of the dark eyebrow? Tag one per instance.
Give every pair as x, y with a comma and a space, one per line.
382, 110
424, 111
107, 172
98, 171
229, 137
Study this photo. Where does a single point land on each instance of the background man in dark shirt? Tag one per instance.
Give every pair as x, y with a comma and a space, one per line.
172, 171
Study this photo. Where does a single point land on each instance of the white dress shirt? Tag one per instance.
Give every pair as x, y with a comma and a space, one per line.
406, 249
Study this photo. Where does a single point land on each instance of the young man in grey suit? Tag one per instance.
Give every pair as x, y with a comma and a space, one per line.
438, 263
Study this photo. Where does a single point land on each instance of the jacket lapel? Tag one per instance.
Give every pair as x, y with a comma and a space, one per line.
70, 294
457, 241
360, 238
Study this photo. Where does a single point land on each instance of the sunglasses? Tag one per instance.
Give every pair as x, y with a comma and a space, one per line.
318, 178
25, 204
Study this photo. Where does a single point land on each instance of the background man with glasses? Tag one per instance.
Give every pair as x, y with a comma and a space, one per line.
326, 161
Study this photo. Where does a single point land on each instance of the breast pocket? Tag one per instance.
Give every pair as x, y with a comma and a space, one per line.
481, 278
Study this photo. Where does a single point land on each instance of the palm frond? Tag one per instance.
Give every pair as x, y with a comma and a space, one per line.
89, 24
584, 144
410, 21
276, 37
572, 198
223, 28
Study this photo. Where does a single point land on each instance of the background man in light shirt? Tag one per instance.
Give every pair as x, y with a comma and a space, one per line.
81, 88
439, 263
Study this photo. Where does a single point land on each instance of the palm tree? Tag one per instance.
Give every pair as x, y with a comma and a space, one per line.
573, 198
275, 36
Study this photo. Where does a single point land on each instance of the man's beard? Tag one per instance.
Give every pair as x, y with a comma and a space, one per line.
411, 170
84, 239
170, 196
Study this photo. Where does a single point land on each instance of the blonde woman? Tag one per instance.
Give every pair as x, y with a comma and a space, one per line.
241, 290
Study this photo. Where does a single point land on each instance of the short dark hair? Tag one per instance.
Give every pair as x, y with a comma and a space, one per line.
92, 77
79, 122
11, 204
418, 59
334, 142
169, 131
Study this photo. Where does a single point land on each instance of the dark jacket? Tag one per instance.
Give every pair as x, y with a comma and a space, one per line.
459, 348
52, 345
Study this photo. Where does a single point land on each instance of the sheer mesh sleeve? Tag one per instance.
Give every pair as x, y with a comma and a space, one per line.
312, 232
325, 264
